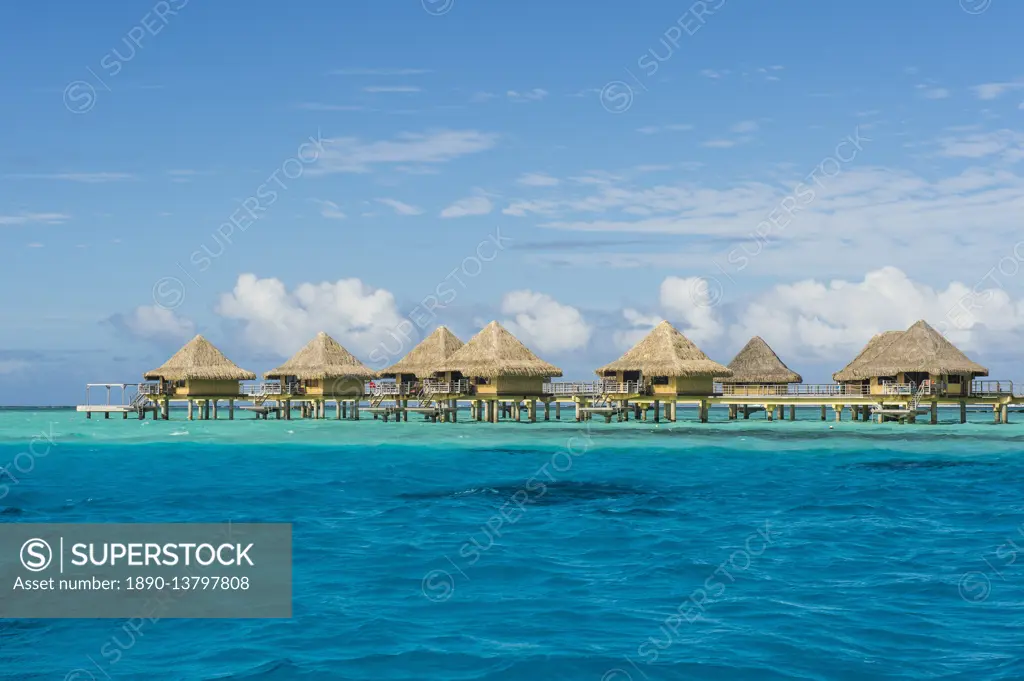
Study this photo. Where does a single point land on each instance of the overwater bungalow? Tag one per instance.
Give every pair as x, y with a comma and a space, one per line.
897, 362
665, 362
757, 370
322, 371
198, 373
427, 361
500, 368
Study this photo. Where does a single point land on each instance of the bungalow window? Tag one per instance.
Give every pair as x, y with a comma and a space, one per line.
659, 380
482, 380
954, 379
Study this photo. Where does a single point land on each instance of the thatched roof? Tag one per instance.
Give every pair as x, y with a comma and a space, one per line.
322, 358
666, 352
878, 342
918, 349
425, 359
496, 352
199, 360
758, 363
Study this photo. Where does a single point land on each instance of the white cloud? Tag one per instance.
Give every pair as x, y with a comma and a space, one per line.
32, 218
355, 314
745, 126
89, 178
352, 155
399, 207
544, 324
692, 301
996, 90
152, 322
712, 73
832, 320
392, 89
473, 205
1009, 144
538, 180
329, 209
534, 95
936, 93
640, 325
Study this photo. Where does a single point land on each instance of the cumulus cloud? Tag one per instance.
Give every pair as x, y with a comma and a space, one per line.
833, 319
152, 322
473, 205
274, 318
639, 325
544, 324
693, 303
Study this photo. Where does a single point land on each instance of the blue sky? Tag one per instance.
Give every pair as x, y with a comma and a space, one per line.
634, 163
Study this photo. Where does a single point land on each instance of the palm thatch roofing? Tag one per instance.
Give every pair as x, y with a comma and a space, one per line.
427, 358
199, 360
667, 352
496, 352
758, 363
918, 349
322, 358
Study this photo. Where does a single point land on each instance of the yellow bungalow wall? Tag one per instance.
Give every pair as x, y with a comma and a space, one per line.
204, 388
951, 389
512, 385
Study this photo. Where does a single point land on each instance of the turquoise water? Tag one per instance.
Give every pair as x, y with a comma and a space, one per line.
604, 552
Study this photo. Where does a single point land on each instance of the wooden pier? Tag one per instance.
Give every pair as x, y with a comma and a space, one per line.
610, 400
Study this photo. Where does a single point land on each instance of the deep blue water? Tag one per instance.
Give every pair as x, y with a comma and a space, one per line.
785, 551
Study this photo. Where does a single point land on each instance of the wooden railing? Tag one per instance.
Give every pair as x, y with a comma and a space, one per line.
385, 389
461, 387
265, 388
593, 388
791, 390
992, 388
